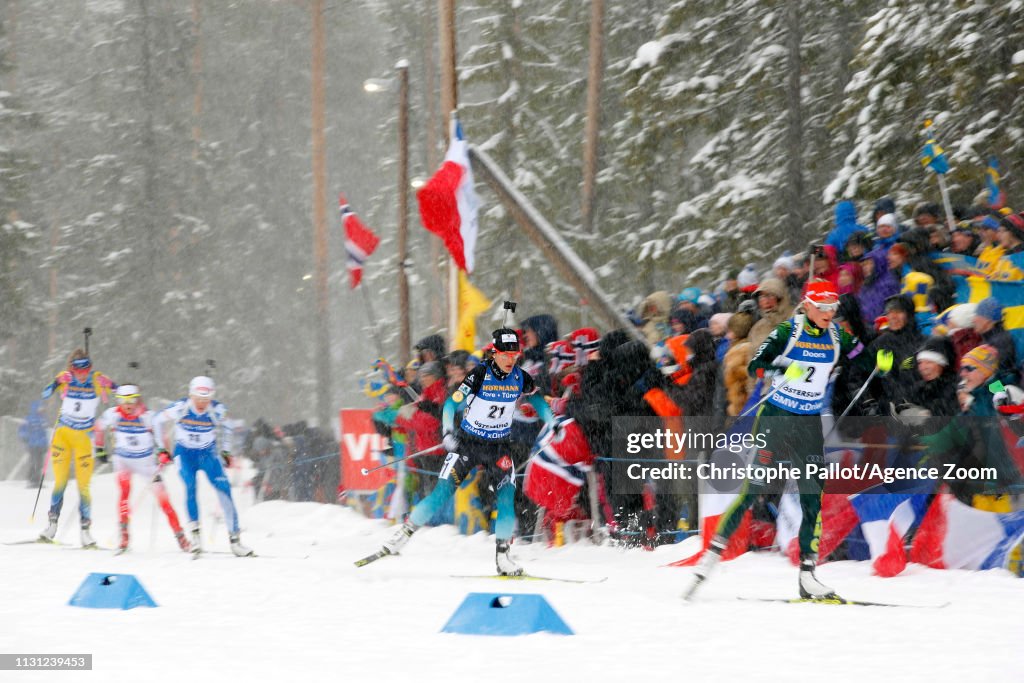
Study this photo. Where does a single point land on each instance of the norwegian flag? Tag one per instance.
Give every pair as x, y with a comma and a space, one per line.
359, 241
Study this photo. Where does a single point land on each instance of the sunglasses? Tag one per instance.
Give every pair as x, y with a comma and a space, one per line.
826, 307
506, 353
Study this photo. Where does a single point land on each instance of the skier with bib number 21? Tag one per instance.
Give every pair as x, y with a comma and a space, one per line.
488, 397
816, 344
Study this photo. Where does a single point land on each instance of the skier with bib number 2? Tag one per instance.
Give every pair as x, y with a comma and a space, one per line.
488, 397
816, 344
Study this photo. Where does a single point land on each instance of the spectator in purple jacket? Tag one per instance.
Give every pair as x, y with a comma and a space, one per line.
879, 284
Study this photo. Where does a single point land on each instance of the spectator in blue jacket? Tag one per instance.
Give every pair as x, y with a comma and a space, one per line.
36, 437
846, 225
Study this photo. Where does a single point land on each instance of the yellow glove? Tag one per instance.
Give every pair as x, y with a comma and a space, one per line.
883, 361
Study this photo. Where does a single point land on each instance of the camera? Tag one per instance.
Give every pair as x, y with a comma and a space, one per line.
510, 306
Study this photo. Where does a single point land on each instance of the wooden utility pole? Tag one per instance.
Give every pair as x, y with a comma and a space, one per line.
593, 126
433, 160
449, 104
322, 349
404, 341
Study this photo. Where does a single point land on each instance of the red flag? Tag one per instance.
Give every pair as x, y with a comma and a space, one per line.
359, 241
448, 202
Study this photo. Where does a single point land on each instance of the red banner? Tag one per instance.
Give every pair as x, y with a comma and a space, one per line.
360, 447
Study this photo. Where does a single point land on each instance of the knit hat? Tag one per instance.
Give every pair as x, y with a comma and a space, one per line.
990, 309
984, 357
885, 204
888, 219
938, 350
900, 303
747, 277
690, 295
821, 292
927, 209
685, 318
720, 319
783, 262
1014, 222
505, 339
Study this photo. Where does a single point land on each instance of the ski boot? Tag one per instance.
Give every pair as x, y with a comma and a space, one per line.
712, 556
48, 534
87, 539
238, 549
124, 537
505, 564
196, 543
399, 538
183, 543
810, 587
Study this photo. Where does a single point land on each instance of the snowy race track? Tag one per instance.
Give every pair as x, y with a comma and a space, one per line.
308, 614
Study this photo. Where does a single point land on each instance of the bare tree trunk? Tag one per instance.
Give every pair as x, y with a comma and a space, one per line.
198, 79
793, 192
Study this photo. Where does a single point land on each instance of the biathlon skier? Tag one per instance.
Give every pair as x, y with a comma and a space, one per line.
816, 345
132, 425
488, 397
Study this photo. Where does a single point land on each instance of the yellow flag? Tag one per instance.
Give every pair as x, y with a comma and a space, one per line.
472, 303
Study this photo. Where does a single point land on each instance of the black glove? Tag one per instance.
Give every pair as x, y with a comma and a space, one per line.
101, 455
225, 456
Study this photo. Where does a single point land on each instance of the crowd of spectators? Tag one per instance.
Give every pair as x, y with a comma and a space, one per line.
894, 296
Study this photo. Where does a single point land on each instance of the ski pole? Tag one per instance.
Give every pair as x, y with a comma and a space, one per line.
883, 364
39, 490
366, 471
793, 372
88, 333
42, 476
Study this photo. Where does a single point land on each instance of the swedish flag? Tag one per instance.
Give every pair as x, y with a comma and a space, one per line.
932, 156
1009, 292
995, 195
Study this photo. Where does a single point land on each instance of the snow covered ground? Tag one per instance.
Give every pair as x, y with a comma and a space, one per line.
308, 613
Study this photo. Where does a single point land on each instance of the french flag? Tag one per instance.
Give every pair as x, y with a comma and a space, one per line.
956, 536
448, 202
359, 242
838, 519
885, 518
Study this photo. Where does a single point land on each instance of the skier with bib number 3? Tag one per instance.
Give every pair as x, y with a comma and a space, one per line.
815, 345
488, 397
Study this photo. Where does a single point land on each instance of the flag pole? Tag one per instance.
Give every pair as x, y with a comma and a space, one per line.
945, 202
373, 323
453, 302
